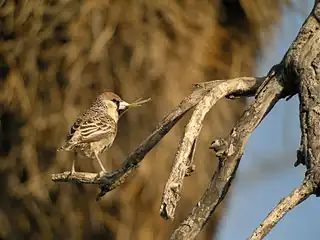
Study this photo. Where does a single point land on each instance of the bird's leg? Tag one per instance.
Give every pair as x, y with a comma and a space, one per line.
100, 163
73, 169
73, 163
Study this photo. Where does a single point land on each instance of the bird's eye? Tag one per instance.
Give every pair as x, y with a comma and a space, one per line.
117, 102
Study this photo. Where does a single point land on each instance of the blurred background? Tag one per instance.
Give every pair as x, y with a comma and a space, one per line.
56, 56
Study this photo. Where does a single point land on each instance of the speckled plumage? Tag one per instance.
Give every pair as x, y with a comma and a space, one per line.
95, 130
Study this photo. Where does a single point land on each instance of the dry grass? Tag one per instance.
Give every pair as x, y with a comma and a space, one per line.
57, 55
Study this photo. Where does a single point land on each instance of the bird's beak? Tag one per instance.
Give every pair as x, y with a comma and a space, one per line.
124, 105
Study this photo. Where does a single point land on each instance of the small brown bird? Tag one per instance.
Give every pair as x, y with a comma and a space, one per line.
95, 130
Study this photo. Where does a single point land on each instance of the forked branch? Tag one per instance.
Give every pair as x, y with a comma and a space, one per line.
229, 154
181, 164
302, 62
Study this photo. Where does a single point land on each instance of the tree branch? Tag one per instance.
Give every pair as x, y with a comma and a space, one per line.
78, 177
286, 204
229, 154
173, 187
302, 66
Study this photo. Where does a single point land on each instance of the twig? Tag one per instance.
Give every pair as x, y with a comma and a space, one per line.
78, 177
286, 204
230, 158
173, 187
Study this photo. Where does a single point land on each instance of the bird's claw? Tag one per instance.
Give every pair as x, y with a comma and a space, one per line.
100, 174
71, 173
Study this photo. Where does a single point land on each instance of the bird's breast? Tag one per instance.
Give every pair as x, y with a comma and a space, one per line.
102, 145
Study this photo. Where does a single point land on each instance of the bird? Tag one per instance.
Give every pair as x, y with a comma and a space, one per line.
95, 129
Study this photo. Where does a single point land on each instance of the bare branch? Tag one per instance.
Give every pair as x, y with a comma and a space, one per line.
306, 73
241, 92
109, 181
219, 89
230, 158
286, 204
78, 177
305, 70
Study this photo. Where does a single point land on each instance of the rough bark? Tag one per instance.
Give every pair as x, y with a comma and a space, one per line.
301, 64
172, 191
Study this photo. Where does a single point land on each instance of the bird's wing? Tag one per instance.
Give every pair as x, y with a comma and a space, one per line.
74, 129
95, 129
73, 136
91, 129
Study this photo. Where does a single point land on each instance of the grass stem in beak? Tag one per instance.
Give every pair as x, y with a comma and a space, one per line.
139, 102
136, 103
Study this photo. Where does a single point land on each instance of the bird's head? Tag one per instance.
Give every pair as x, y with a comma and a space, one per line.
113, 101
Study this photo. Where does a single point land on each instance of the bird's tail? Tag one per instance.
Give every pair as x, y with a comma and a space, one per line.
65, 147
